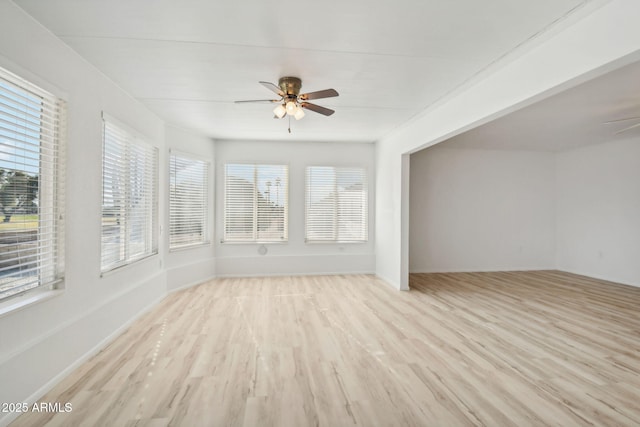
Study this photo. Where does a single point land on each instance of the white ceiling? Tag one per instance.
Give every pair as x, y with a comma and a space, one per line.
573, 118
189, 60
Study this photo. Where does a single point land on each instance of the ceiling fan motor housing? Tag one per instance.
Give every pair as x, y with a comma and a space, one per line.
290, 86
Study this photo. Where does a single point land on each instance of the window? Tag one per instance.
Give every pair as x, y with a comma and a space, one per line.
129, 197
31, 178
255, 203
188, 201
336, 204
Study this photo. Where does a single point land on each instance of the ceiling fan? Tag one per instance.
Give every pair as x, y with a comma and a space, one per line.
291, 102
636, 125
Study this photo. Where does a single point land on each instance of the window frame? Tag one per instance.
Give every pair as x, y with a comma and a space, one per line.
206, 217
133, 138
51, 117
255, 224
336, 207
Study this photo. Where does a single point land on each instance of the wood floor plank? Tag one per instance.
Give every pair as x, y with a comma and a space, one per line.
476, 349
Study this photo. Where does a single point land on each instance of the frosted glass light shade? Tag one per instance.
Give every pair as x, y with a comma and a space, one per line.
279, 111
291, 108
299, 114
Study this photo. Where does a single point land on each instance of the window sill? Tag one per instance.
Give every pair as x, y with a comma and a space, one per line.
129, 264
28, 299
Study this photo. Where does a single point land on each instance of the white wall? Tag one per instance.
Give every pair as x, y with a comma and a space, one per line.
42, 342
481, 210
296, 256
606, 39
190, 266
490, 210
598, 213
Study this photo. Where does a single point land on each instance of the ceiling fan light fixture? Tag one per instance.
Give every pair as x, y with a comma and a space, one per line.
291, 102
279, 111
291, 108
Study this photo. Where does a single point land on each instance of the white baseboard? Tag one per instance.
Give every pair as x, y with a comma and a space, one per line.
571, 271
324, 273
600, 277
295, 265
477, 270
192, 274
390, 282
191, 284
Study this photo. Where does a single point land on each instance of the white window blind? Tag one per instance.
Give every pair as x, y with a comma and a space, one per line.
336, 204
31, 186
256, 203
129, 197
188, 201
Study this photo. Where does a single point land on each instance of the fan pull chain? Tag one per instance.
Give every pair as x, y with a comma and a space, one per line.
289, 123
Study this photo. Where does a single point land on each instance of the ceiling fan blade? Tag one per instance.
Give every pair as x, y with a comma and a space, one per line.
258, 100
273, 88
317, 108
628, 128
621, 120
327, 93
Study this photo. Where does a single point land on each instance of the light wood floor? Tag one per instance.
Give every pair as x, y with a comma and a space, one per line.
494, 349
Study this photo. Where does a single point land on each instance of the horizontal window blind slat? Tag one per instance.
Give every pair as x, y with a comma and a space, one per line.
44, 117
25, 125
